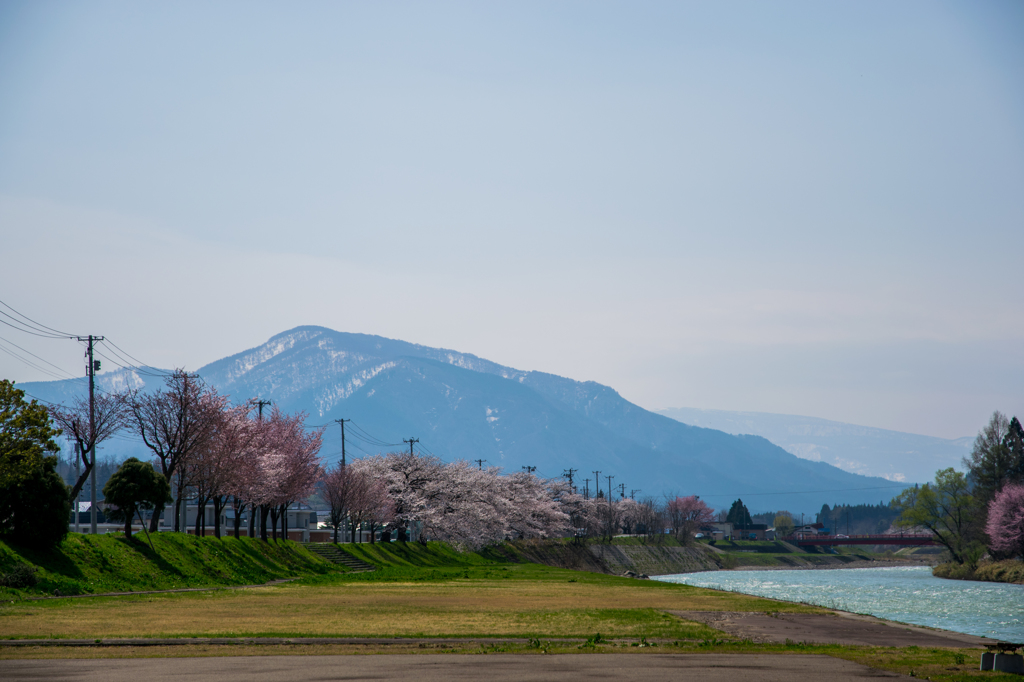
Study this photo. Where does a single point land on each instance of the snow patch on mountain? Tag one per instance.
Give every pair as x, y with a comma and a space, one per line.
338, 392
267, 351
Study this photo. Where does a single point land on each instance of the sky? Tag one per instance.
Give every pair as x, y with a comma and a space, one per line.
792, 207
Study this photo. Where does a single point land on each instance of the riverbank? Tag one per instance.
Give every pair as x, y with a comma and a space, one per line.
628, 556
1008, 571
901, 594
835, 565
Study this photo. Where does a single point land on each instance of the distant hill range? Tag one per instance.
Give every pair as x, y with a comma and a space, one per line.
894, 455
464, 407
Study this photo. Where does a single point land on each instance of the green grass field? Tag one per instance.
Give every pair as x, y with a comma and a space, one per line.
418, 591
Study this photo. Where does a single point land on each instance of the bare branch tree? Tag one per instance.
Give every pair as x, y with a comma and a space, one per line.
110, 416
174, 422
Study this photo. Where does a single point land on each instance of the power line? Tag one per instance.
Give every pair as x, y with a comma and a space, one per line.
29, 330
60, 369
130, 368
129, 355
33, 322
33, 365
145, 370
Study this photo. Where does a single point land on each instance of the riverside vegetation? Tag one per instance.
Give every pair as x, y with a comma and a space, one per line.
417, 590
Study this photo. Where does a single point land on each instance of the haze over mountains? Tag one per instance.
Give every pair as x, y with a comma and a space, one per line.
894, 455
464, 407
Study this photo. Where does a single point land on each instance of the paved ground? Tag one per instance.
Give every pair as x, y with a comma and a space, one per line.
441, 668
842, 628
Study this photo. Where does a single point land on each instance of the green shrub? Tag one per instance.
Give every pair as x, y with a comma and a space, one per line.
22, 575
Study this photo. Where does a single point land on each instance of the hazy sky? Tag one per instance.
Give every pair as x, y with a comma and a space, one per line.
806, 208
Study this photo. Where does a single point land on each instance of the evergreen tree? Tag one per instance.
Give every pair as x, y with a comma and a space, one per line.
997, 457
739, 515
34, 505
133, 487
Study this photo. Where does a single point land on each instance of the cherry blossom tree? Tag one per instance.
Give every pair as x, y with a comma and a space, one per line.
173, 423
212, 470
289, 468
1005, 526
465, 505
372, 507
687, 515
412, 483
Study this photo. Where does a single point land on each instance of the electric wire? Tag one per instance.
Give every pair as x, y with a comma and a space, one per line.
126, 355
130, 368
29, 331
33, 365
33, 322
60, 369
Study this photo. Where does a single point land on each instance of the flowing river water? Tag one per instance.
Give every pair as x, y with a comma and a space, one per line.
904, 594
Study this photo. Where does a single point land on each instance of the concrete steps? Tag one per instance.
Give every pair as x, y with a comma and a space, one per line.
332, 553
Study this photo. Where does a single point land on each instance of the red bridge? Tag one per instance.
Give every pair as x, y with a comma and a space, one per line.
905, 540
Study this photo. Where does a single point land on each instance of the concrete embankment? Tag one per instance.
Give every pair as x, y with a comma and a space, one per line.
655, 559
614, 559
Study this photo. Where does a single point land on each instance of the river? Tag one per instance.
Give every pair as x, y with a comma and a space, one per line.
904, 594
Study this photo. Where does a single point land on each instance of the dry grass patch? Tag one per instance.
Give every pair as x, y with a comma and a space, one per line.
463, 607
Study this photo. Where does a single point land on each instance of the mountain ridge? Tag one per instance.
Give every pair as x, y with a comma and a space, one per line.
462, 406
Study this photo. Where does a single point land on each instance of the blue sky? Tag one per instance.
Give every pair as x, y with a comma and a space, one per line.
801, 208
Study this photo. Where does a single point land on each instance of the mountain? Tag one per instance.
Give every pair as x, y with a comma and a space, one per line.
894, 455
464, 407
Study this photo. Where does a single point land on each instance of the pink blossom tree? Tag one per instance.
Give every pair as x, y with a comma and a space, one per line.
173, 423
1005, 525
291, 466
372, 508
687, 515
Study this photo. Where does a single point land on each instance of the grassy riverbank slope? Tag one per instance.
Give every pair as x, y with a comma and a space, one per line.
89, 564
1008, 571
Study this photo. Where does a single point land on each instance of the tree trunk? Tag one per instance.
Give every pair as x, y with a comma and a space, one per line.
403, 534
155, 520
218, 504
284, 521
128, 526
200, 514
238, 517
264, 512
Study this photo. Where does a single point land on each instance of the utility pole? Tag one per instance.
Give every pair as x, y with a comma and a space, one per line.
568, 474
622, 490
597, 484
410, 441
342, 422
260, 404
529, 469
609, 488
78, 463
586, 489
632, 493
91, 368
479, 463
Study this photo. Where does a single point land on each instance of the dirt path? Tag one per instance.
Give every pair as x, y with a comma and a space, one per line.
840, 628
444, 667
